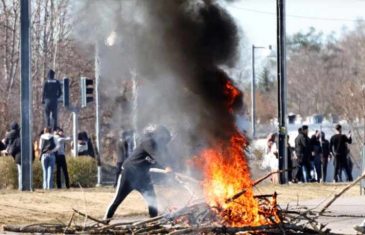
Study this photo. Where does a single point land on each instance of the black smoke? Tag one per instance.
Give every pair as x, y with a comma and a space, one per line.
180, 51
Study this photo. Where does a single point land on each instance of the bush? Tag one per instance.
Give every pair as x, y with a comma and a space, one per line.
82, 171
9, 173
37, 174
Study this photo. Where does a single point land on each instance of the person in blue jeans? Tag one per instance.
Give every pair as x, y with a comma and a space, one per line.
48, 148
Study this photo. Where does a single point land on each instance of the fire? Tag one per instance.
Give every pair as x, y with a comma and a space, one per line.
226, 173
232, 94
227, 176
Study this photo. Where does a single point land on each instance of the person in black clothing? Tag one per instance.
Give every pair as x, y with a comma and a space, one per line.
298, 174
339, 149
12, 143
136, 171
84, 145
316, 157
2, 146
303, 152
51, 93
61, 163
124, 148
325, 155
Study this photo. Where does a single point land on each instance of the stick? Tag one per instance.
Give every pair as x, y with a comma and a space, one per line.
270, 174
89, 217
237, 195
36, 228
148, 220
69, 222
337, 195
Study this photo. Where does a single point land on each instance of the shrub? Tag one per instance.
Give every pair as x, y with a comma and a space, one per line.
37, 174
9, 173
82, 171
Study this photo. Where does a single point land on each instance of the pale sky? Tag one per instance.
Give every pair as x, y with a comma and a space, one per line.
258, 17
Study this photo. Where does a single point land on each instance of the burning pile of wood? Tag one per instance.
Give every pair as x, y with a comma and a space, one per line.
198, 218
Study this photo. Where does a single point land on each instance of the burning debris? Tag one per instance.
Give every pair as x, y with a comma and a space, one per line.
180, 48
198, 218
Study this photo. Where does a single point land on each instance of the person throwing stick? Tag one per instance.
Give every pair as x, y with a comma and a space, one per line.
136, 170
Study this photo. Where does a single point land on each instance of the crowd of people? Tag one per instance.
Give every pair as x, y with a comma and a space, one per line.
308, 159
49, 148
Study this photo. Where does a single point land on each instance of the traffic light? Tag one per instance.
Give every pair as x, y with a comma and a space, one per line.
87, 90
64, 98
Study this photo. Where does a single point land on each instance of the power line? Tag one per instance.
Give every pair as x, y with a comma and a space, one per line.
294, 16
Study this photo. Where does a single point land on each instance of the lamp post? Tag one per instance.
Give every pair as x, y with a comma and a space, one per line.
282, 88
253, 90
25, 96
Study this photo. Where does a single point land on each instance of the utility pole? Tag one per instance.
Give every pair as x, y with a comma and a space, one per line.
253, 90
25, 97
75, 123
282, 89
97, 105
253, 95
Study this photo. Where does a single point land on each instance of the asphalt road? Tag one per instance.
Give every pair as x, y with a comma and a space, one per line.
344, 213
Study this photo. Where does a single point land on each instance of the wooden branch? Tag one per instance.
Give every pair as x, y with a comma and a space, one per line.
237, 195
270, 174
337, 195
89, 217
148, 220
35, 228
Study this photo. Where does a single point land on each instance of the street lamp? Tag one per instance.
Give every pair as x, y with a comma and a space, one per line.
253, 89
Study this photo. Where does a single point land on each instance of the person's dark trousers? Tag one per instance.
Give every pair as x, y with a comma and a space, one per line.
318, 166
299, 174
127, 182
342, 163
50, 107
61, 164
117, 172
324, 169
290, 169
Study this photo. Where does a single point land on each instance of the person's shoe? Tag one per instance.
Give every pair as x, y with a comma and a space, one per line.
360, 229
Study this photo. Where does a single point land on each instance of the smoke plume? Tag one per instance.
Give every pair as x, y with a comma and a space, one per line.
176, 49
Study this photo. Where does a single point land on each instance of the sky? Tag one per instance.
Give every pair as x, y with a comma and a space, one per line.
257, 18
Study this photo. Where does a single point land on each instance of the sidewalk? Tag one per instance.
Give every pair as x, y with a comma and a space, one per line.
342, 208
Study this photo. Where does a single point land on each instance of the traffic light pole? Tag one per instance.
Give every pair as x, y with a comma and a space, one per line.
97, 117
25, 97
282, 89
75, 124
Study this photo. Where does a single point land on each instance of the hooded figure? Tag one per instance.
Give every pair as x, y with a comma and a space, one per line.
135, 173
51, 93
12, 141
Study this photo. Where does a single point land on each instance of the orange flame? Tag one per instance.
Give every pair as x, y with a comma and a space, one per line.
226, 173
232, 94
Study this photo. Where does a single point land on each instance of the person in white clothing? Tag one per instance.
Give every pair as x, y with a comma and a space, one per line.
271, 157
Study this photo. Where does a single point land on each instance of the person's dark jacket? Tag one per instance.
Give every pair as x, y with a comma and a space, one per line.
122, 151
47, 143
303, 148
338, 145
51, 89
325, 148
12, 142
315, 145
2, 146
143, 157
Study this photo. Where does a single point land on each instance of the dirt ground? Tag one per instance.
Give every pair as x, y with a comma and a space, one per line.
56, 205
